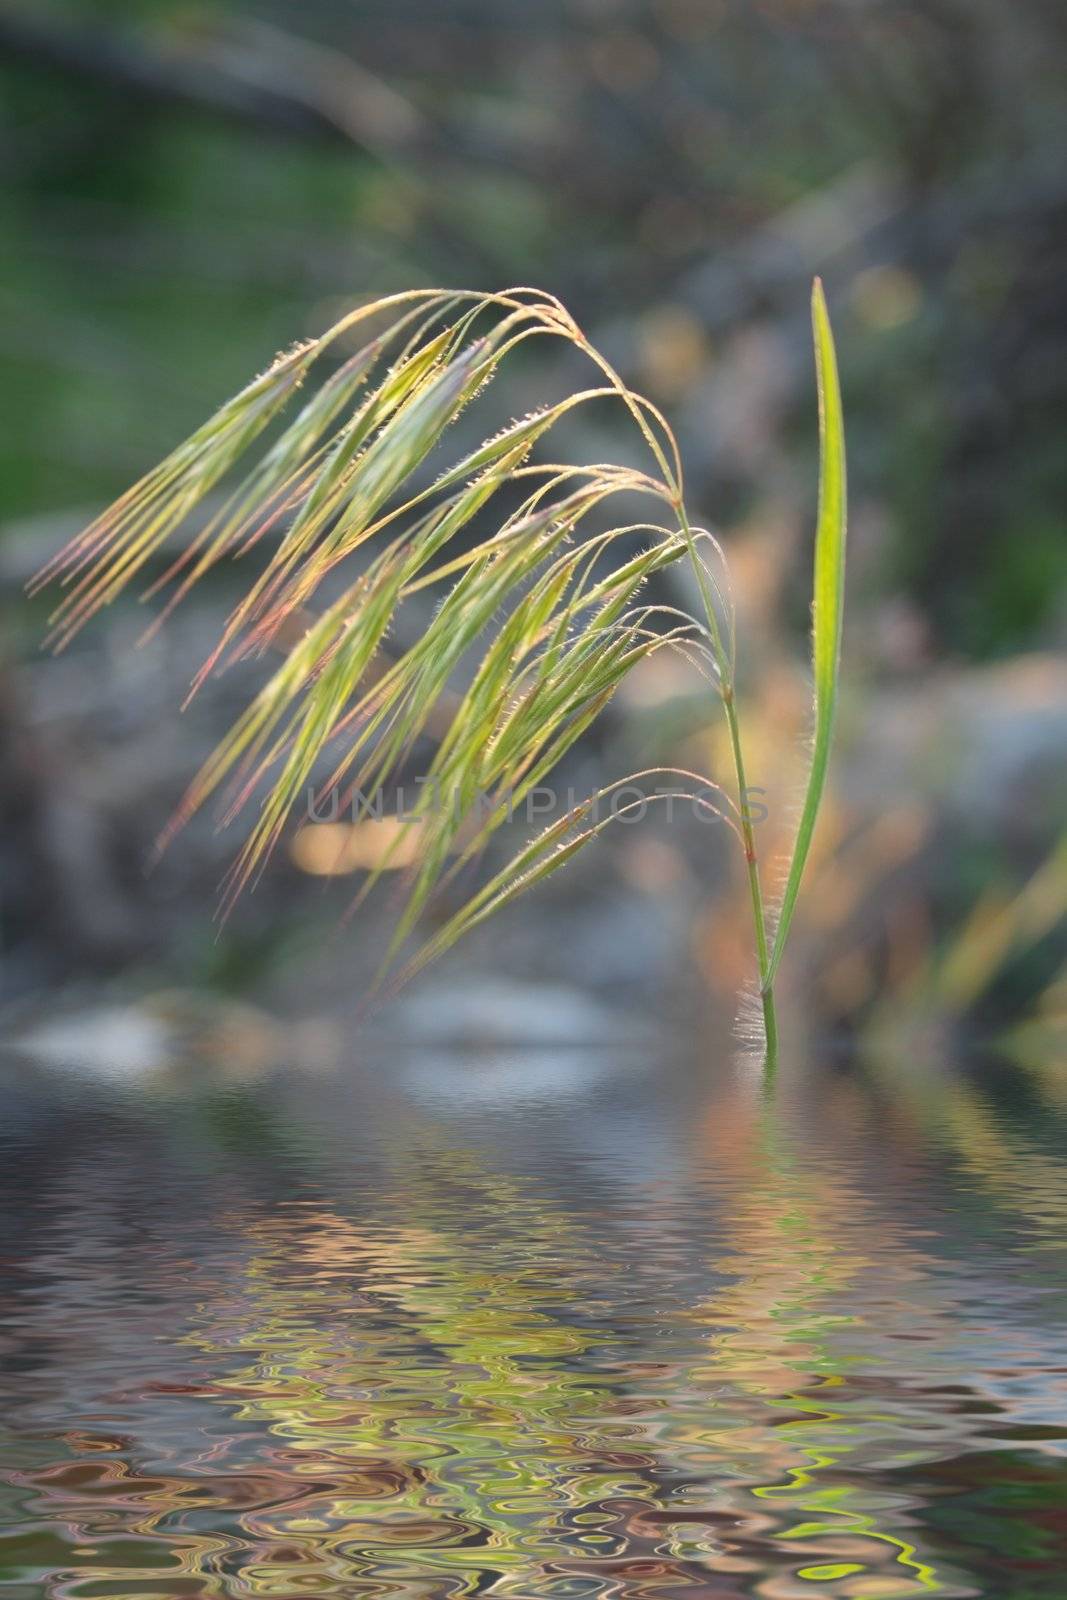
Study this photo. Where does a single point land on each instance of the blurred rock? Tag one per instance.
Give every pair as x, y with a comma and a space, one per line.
484, 1011
114, 1044
166, 1039
986, 747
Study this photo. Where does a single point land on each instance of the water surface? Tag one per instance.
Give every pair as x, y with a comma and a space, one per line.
533, 1323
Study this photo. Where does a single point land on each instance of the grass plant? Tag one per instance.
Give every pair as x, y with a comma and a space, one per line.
347, 490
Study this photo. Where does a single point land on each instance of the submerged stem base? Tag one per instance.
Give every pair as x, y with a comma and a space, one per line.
770, 1031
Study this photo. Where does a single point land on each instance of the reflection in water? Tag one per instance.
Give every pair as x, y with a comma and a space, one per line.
367, 1336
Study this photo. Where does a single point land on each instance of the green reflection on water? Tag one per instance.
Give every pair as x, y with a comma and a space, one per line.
432, 1358
459, 1381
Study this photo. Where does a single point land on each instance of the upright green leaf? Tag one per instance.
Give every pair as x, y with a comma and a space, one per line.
828, 604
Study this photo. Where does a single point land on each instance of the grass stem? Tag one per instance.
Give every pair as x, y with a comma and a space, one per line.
726, 672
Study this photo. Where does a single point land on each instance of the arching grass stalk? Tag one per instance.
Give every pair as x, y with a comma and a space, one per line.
346, 490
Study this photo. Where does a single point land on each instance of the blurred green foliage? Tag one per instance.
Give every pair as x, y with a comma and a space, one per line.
193, 184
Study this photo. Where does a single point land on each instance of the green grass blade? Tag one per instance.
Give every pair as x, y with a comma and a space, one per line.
827, 606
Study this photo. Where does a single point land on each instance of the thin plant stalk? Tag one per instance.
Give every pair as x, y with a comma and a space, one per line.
726, 675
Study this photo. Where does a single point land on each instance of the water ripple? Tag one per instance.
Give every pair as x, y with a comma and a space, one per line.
388, 1350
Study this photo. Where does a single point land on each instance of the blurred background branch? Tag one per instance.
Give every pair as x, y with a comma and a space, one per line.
257, 75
